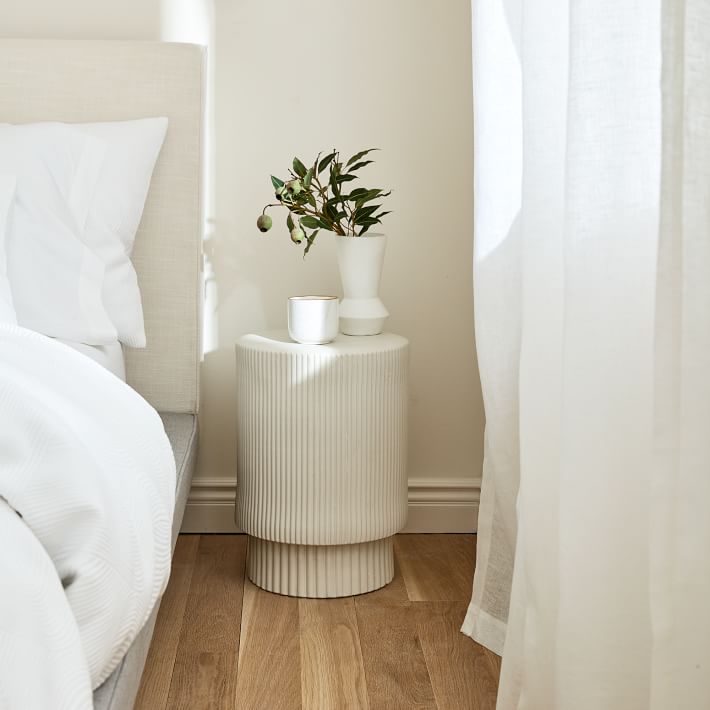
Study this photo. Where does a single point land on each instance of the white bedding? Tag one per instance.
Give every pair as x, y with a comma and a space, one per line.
109, 356
86, 463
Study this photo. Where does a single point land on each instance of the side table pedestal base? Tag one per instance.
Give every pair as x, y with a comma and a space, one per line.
320, 571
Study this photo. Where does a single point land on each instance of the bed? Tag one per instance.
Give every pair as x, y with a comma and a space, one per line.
81, 81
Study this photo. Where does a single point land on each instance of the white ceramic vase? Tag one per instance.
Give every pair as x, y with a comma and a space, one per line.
360, 263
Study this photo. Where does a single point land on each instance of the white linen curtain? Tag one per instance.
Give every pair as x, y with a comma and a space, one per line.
592, 297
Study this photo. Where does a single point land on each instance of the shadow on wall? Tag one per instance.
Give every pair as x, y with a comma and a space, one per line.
228, 275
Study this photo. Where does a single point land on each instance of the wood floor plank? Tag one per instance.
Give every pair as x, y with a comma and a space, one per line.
395, 591
269, 674
464, 674
155, 684
221, 643
332, 670
437, 567
204, 676
395, 669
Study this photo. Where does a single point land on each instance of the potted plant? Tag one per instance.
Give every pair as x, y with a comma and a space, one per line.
322, 197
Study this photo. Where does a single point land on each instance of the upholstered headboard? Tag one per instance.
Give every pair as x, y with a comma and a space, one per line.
86, 80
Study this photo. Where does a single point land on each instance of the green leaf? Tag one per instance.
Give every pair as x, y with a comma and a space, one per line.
309, 242
276, 182
324, 225
357, 193
359, 155
289, 222
299, 168
310, 222
330, 212
334, 185
367, 222
369, 209
365, 218
325, 162
345, 178
308, 177
370, 195
311, 200
357, 166
363, 213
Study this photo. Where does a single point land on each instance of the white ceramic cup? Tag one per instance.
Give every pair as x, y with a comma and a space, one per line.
313, 320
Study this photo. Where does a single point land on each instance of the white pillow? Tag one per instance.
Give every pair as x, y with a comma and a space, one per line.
56, 280
7, 192
115, 212
109, 356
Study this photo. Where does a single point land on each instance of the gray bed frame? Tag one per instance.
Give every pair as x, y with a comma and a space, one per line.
86, 80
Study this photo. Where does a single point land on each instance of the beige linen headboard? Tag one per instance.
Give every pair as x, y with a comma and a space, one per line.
86, 80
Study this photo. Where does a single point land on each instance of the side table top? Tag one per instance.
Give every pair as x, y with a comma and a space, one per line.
279, 341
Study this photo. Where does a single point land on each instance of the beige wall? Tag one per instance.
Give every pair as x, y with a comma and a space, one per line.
294, 78
80, 19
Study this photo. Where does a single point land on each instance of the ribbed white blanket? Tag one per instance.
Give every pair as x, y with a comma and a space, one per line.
85, 462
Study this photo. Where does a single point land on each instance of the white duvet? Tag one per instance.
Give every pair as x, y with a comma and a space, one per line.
87, 486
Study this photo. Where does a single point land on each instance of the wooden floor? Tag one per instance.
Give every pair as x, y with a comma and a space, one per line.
222, 643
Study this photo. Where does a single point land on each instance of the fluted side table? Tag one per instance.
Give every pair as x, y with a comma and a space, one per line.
321, 478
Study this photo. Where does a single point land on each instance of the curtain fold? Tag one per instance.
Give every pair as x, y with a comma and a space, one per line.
497, 304
592, 290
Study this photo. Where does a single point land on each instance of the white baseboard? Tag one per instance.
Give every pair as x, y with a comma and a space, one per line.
436, 505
